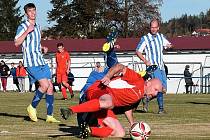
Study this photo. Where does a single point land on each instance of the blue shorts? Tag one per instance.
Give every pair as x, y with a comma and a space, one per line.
37, 73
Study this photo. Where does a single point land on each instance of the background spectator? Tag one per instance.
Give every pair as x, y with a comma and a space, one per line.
14, 76
188, 78
21, 74
4, 70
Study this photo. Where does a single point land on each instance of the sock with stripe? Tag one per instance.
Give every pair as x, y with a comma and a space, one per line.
37, 98
89, 106
49, 104
101, 132
63, 90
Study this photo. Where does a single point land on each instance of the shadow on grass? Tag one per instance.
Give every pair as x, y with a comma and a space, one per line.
198, 103
67, 130
142, 111
26, 118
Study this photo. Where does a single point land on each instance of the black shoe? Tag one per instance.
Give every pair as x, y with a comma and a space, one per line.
72, 95
65, 113
64, 99
85, 132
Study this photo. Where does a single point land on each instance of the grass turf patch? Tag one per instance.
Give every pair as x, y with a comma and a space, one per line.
187, 118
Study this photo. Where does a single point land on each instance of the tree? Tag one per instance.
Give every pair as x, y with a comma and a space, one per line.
133, 15
76, 18
208, 18
10, 18
93, 18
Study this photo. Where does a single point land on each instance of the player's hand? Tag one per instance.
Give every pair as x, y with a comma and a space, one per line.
30, 28
105, 80
117, 46
44, 50
147, 63
169, 46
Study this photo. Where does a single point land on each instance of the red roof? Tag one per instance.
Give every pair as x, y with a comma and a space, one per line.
191, 43
127, 44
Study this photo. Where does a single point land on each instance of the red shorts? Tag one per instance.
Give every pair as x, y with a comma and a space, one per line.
61, 78
120, 97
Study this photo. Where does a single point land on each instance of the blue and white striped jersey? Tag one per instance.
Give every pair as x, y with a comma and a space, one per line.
153, 47
31, 47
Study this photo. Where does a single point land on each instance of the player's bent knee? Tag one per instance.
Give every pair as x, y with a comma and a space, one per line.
44, 87
106, 102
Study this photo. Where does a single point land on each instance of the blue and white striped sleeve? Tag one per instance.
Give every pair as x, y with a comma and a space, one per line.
165, 42
141, 45
19, 32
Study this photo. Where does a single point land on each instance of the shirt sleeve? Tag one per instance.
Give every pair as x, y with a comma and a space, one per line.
19, 32
131, 76
141, 45
67, 56
165, 42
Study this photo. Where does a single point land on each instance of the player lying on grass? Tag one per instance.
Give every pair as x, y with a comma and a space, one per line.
121, 86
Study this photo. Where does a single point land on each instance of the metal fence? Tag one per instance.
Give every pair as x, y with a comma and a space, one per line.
82, 66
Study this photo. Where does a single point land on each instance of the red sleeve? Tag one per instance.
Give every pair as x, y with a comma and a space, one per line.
131, 75
67, 56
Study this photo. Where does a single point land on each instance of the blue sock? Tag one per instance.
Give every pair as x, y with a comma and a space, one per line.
160, 101
37, 98
49, 104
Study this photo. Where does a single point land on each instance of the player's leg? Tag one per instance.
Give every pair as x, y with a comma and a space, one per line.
160, 74
104, 102
65, 84
109, 125
110, 55
100, 100
111, 58
15, 81
50, 103
36, 99
63, 89
40, 74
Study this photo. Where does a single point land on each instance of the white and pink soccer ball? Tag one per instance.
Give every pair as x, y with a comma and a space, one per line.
140, 131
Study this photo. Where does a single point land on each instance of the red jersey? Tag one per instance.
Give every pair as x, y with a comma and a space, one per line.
61, 60
125, 90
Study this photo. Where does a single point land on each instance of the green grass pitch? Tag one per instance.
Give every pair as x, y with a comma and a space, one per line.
187, 118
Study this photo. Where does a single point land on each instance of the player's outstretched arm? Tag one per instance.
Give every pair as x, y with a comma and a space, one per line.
113, 71
129, 116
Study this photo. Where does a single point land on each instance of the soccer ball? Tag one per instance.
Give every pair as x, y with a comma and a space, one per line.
140, 131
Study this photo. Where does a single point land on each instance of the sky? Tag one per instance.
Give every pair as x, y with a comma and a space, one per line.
169, 9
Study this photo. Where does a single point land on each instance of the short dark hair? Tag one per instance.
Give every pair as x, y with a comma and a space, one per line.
98, 64
59, 44
154, 20
29, 5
